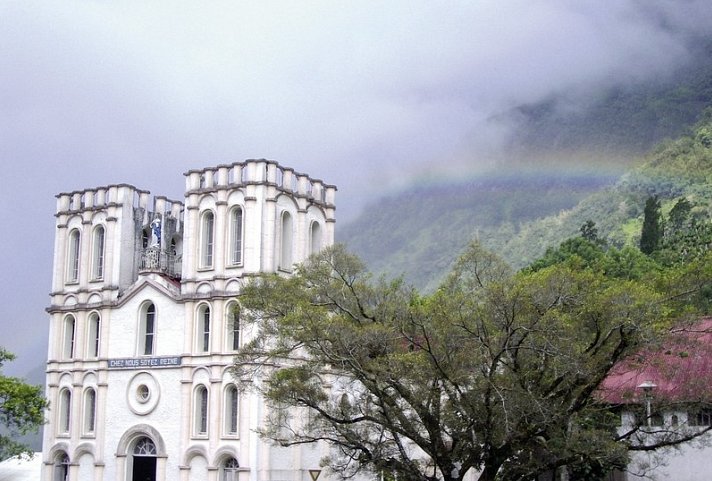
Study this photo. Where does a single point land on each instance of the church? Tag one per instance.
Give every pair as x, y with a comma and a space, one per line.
144, 323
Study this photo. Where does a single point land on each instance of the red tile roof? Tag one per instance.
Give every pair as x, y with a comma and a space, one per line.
680, 369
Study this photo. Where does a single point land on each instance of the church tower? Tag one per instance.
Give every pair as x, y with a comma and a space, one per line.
144, 323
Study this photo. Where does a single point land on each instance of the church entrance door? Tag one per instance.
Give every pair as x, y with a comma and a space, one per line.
144, 460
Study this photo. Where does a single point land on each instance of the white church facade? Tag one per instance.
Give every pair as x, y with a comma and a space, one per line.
144, 325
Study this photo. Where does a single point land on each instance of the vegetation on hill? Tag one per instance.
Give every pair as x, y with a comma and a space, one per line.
675, 170
420, 233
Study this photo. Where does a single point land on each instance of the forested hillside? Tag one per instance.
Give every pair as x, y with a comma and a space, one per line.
673, 171
420, 233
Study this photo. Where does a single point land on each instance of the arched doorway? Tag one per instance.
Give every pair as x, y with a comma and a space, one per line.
61, 467
137, 443
229, 469
144, 455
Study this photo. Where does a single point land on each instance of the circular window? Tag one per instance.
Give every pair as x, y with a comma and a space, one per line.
143, 393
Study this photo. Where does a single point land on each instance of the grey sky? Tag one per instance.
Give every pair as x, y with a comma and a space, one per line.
366, 95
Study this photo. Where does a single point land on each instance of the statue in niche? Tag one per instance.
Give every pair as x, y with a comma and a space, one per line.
156, 232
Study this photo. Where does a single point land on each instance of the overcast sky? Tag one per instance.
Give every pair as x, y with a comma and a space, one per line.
365, 95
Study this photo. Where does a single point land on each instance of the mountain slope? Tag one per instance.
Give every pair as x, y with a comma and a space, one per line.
676, 169
523, 207
419, 233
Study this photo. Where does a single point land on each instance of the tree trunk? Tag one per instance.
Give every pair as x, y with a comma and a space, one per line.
489, 473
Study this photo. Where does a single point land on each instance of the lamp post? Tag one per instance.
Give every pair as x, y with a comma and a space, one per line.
647, 388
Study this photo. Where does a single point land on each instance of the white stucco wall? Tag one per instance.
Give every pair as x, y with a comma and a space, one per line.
689, 462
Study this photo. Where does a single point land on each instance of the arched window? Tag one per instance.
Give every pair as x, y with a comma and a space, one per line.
204, 328
285, 258
228, 469
89, 411
61, 467
145, 447
73, 256
200, 411
207, 240
177, 252
97, 266
147, 330
65, 411
315, 238
233, 327
68, 337
235, 252
145, 237
231, 410
93, 335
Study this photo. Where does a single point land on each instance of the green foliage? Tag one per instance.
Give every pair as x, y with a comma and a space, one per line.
494, 371
690, 282
652, 234
419, 234
689, 236
579, 250
589, 231
683, 264
704, 136
21, 410
628, 263
679, 216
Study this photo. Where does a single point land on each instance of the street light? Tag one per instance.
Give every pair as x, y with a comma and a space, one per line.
647, 388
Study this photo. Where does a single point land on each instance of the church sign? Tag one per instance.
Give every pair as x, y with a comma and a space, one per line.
145, 362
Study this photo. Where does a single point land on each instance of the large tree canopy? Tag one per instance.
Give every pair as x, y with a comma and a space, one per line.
496, 371
21, 410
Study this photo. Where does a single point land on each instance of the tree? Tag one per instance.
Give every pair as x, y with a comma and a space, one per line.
496, 371
589, 231
21, 410
652, 234
586, 252
628, 263
679, 216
